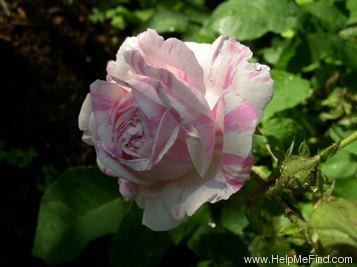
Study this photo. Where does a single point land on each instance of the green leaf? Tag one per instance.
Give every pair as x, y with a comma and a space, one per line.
234, 219
201, 217
333, 49
334, 223
289, 91
136, 245
284, 130
291, 229
304, 149
329, 15
248, 20
341, 166
321, 50
351, 5
220, 246
272, 54
167, 21
82, 205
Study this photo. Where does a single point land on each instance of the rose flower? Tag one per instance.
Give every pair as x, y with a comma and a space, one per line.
174, 122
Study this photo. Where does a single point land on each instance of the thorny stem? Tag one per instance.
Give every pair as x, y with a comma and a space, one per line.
348, 140
275, 190
330, 151
290, 213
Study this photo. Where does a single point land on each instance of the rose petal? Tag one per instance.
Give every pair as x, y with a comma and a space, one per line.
128, 189
171, 84
226, 67
165, 137
119, 69
156, 217
255, 85
118, 169
240, 120
171, 54
83, 119
104, 169
152, 110
200, 128
185, 195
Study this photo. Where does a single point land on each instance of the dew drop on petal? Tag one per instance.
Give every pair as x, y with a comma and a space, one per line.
258, 67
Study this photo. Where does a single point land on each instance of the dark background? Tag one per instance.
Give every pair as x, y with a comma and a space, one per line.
49, 55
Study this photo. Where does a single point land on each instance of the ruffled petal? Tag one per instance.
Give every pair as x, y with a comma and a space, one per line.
172, 85
105, 97
184, 196
226, 67
199, 128
83, 119
118, 169
171, 54
153, 110
118, 69
255, 84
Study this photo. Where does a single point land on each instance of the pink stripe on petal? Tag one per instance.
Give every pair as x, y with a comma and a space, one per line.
171, 54
254, 74
229, 76
231, 159
101, 103
240, 118
265, 79
233, 182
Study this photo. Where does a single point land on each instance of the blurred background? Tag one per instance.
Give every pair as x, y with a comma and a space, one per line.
51, 51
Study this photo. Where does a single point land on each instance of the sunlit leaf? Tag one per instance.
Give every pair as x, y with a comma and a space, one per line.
167, 21
292, 131
329, 15
351, 5
247, 20
81, 206
290, 90
341, 166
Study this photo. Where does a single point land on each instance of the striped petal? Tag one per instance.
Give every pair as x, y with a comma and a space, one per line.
171, 54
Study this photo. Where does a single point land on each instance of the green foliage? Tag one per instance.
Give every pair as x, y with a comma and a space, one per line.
135, 245
290, 90
15, 157
334, 227
301, 198
235, 18
81, 206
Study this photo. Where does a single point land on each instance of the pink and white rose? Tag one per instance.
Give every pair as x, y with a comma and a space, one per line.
174, 122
